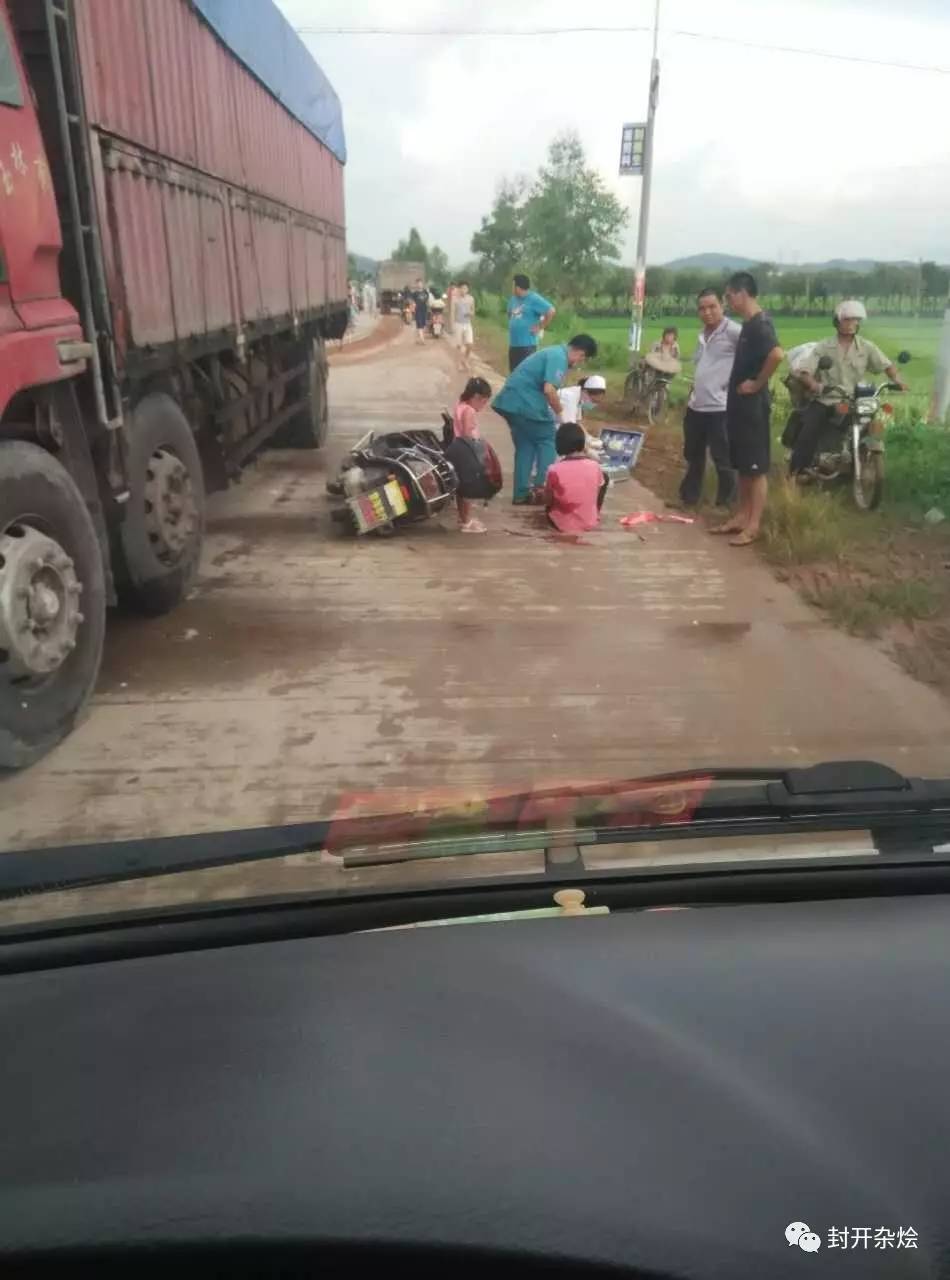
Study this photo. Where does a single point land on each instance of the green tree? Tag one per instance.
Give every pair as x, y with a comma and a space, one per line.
936, 280
617, 284
438, 267
412, 249
659, 282
765, 277
687, 284
791, 285
499, 241
571, 221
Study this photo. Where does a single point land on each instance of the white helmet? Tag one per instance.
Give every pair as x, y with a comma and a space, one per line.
851, 309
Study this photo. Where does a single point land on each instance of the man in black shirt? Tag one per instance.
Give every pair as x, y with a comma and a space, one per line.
748, 406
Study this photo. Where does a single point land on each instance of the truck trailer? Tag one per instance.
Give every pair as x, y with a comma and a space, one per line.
392, 277
172, 264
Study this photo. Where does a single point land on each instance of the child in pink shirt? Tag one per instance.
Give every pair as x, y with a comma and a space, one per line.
471, 402
575, 486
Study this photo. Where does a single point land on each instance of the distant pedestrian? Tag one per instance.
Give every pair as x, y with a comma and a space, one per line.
575, 486
420, 302
530, 404
528, 316
748, 407
704, 425
369, 298
463, 314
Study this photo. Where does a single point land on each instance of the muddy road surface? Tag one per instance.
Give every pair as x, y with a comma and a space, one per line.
307, 666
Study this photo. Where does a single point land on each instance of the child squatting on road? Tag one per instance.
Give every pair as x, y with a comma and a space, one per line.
471, 402
575, 486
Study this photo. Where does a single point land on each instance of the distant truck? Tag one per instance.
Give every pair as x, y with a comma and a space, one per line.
172, 263
392, 278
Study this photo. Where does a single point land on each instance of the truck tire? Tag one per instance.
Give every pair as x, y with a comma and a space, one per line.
157, 547
52, 603
309, 429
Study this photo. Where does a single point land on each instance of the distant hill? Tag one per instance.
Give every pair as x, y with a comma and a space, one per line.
728, 262
365, 266
710, 262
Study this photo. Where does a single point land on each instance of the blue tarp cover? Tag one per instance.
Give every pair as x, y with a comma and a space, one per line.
259, 35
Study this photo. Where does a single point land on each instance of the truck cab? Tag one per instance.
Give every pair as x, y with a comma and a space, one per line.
40, 331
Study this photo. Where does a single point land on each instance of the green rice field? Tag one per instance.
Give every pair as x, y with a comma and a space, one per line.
892, 334
918, 459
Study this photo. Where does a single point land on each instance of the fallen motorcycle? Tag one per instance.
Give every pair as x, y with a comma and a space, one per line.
850, 448
390, 479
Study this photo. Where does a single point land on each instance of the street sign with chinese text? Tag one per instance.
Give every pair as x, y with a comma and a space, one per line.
631, 148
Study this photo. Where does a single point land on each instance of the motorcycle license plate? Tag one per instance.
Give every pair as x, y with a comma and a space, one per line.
380, 506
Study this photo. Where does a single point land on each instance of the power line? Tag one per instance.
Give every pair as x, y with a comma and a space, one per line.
518, 32
814, 53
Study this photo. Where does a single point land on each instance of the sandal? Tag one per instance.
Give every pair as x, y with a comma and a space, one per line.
745, 539
729, 527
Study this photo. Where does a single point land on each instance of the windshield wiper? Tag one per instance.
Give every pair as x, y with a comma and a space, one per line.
903, 814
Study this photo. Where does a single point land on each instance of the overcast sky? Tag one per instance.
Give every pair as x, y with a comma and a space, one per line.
765, 154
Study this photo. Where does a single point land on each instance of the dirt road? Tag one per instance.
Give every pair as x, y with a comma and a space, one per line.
305, 665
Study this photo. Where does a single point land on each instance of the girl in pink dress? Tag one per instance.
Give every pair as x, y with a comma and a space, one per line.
471, 402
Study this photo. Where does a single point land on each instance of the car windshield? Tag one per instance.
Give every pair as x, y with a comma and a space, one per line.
497, 422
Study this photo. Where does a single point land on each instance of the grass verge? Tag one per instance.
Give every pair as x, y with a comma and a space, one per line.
883, 574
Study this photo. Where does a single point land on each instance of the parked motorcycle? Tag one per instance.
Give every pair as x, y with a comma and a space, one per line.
647, 385
397, 477
851, 445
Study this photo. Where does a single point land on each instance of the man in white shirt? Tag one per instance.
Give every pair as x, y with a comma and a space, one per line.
704, 426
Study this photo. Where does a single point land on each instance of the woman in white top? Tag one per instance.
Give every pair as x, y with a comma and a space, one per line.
585, 394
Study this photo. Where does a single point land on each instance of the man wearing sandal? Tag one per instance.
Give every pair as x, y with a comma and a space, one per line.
748, 406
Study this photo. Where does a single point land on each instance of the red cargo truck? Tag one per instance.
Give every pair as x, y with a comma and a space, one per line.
172, 261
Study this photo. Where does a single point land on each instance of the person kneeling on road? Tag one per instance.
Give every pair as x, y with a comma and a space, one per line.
530, 404
575, 487
852, 359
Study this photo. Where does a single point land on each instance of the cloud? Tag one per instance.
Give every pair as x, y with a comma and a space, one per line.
763, 153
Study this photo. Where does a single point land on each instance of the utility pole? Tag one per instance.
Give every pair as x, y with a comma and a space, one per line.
640, 270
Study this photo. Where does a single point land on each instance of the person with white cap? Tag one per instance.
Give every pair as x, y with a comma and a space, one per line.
852, 359
586, 394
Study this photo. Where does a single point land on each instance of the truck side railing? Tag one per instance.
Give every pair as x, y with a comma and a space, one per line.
94, 300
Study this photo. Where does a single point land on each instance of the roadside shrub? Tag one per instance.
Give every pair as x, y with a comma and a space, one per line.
801, 526
918, 465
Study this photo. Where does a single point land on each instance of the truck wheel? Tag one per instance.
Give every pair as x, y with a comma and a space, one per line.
157, 547
52, 603
309, 429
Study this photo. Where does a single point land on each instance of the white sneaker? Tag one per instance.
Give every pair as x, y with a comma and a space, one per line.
473, 526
